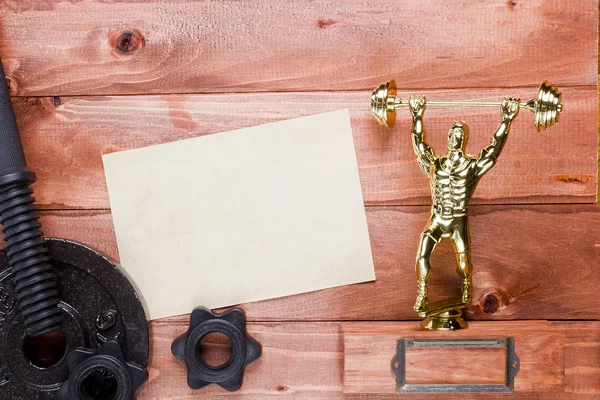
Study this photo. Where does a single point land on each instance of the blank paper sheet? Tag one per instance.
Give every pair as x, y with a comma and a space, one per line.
240, 216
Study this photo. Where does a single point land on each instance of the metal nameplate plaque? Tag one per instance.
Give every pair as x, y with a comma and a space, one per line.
399, 365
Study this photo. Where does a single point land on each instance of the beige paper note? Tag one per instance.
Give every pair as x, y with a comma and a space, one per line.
240, 216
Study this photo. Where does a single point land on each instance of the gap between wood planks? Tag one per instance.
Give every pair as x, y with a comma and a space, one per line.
369, 206
234, 91
184, 319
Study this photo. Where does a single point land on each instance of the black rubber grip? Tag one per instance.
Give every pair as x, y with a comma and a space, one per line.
11, 150
32, 273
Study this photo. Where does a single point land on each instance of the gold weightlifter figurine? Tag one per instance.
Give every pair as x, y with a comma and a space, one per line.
453, 178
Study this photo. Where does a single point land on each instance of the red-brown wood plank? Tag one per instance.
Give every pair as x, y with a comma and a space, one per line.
369, 347
187, 46
530, 262
548, 353
306, 361
456, 366
65, 137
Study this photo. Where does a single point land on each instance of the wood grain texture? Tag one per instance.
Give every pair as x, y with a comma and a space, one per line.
64, 139
582, 360
306, 361
187, 46
449, 366
549, 353
368, 349
530, 262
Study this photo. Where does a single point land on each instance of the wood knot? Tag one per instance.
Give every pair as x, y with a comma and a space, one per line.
282, 388
511, 4
325, 23
56, 101
574, 178
490, 303
127, 42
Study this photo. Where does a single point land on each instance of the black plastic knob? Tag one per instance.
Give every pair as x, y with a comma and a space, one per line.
244, 349
102, 373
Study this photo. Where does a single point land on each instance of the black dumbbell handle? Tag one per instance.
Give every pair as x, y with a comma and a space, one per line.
12, 159
32, 274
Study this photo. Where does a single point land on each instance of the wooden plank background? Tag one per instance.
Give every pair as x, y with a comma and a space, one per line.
558, 166
91, 77
187, 46
526, 267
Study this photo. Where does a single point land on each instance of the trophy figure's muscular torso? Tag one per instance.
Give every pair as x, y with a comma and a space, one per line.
453, 178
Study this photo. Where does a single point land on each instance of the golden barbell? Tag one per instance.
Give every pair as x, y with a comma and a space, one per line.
546, 107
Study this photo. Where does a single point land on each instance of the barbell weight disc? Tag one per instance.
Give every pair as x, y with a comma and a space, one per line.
548, 106
383, 103
557, 104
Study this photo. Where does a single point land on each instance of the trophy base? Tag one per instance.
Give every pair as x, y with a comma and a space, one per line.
444, 315
448, 321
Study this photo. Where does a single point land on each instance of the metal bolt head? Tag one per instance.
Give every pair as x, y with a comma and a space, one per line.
106, 320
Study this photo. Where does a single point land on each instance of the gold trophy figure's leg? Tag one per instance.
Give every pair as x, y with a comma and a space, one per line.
467, 290
422, 296
464, 268
429, 240
444, 315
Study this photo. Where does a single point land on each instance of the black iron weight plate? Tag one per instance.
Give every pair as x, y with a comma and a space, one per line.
98, 302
